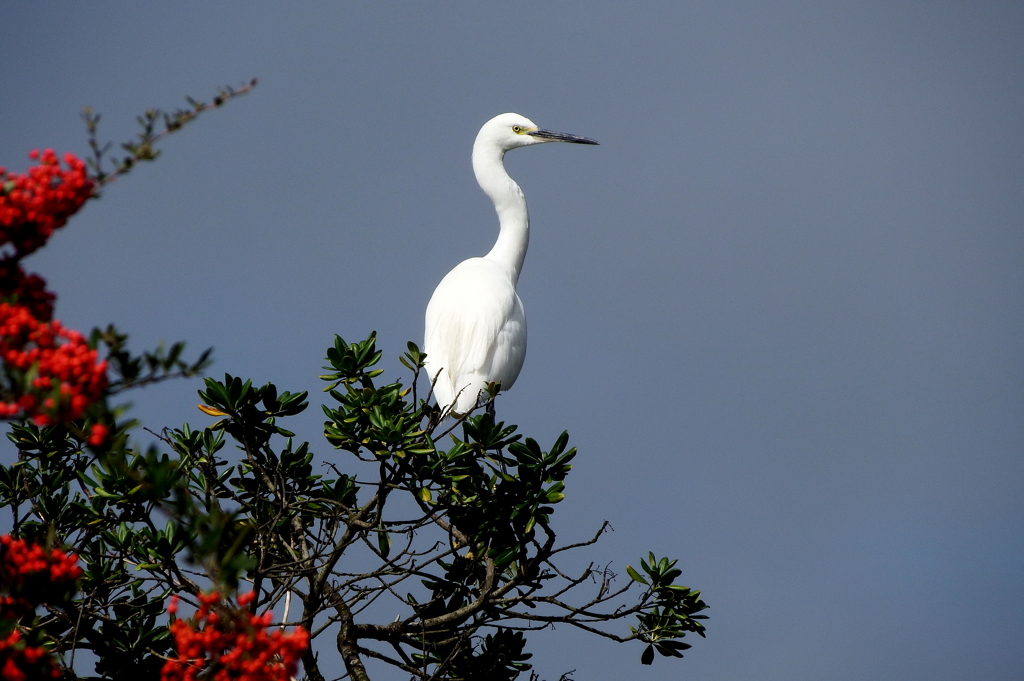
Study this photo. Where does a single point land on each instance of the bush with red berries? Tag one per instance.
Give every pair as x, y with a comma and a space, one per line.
230, 642
51, 373
30, 576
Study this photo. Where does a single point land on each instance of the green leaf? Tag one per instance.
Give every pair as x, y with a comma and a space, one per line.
635, 575
383, 541
648, 655
672, 645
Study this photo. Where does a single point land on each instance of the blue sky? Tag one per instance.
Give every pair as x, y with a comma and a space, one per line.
779, 309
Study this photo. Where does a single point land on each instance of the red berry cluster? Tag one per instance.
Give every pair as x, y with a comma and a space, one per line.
36, 203
222, 643
54, 374
68, 374
27, 290
31, 575
20, 661
21, 562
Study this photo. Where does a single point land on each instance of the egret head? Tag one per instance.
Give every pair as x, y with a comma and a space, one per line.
510, 130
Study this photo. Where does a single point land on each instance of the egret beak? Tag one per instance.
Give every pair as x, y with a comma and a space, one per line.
551, 136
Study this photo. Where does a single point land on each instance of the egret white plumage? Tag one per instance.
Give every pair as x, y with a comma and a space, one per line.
475, 323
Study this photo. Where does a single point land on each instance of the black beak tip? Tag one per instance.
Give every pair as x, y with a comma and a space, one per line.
561, 137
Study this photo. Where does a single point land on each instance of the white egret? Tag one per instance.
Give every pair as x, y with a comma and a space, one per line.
475, 323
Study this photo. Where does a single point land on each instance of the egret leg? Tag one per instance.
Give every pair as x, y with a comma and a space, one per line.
489, 409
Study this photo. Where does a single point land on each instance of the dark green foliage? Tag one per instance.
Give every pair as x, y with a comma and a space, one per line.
673, 612
499, 657
456, 515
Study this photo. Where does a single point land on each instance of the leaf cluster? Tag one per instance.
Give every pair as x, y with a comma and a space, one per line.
154, 125
136, 371
674, 610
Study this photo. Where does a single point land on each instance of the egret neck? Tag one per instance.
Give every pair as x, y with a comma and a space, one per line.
514, 221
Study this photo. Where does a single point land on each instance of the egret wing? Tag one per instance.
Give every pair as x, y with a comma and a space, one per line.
465, 320
510, 348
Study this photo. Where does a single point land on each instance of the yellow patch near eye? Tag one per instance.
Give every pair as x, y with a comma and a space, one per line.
517, 129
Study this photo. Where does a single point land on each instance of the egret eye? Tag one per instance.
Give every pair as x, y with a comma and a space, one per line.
517, 129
